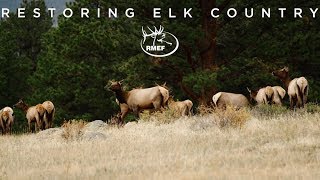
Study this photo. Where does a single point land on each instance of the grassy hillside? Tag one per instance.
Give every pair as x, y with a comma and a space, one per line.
278, 144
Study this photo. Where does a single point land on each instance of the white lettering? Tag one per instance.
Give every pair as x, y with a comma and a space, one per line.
185, 13
156, 13
51, 11
70, 13
130, 12
234, 12
5, 12
21, 13
314, 11
282, 12
84, 12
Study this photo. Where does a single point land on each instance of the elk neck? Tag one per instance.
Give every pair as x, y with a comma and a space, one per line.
122, 96
24, 107
286, 81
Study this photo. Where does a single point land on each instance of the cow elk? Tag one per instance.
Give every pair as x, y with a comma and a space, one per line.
297, 88
32, 114
6, 120
224, 99
136, 100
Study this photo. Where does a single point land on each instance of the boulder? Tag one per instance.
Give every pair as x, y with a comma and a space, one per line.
89, 136
96, 125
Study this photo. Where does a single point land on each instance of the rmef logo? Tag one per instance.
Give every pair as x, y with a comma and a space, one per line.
159, 43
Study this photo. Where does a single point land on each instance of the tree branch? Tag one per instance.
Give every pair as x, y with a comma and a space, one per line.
189, 57
221, 25
185, 89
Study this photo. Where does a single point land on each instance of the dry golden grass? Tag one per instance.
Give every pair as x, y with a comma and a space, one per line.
72, 130
285, 146
164, 116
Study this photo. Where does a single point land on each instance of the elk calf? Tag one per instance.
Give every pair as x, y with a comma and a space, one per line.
183, 108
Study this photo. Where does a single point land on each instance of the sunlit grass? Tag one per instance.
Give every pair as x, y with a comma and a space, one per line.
258, 143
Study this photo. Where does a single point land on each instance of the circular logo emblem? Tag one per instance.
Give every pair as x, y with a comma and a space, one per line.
158, 43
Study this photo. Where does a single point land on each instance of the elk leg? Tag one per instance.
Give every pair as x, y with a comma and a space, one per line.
29, 124
35, 127
184, 112
291, 102
9, 129
123, 115
135, 110
157, 105
50, 122
1, 126
46, 121
299, 101
305, 95
124, 109
303, 102
38, 124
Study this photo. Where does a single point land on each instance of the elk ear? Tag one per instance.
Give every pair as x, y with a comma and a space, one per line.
249, 90
164, 84
120, 82
286, 69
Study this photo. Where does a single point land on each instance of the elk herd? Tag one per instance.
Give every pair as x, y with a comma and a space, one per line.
297, 90
158, 97
41, 115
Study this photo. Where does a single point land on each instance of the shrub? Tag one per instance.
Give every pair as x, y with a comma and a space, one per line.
269, 111
203, 110
231, 117
312, 108
72, 130
222, 118
115, 119
165, 116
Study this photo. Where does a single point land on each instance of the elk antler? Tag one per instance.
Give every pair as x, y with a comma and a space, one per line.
144, 35
151, 30
161, 29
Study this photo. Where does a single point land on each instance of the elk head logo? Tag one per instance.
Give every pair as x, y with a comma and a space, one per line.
159, 43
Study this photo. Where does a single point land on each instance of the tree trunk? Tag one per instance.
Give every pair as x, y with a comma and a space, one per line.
207, 45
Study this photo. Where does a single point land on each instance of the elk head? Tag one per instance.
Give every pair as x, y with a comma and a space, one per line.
281, 73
